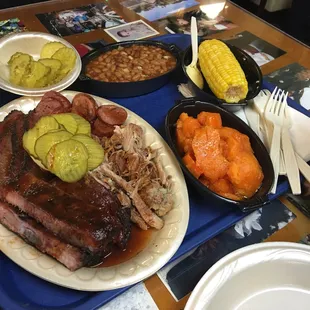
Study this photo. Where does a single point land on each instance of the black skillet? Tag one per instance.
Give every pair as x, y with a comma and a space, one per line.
126, 89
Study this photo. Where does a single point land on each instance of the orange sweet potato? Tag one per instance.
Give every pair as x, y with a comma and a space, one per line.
222, 186
180, 136
207, 150
184, 143
245, 174
190, 125
210, 119
204, 180
186, 127
224, 148
220, 157
232, 196
183, 116
236, 142
191, 165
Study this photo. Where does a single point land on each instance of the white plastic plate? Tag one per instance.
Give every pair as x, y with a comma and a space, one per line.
157, 253
265, 276
31, 43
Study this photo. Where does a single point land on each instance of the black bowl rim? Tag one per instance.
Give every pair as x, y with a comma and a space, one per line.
222, 102
172, 48
244, 205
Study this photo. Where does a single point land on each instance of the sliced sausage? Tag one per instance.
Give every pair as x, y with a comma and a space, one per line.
62, 99
85, 106
112, 114
101, 129
46, 107
49, 106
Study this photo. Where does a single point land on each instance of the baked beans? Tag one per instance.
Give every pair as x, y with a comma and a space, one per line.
131, 64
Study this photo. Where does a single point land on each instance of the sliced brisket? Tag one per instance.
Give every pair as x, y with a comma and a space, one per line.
35, 234
93, 193
74, 220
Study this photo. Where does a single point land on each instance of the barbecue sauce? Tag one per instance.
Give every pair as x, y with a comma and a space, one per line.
139, 239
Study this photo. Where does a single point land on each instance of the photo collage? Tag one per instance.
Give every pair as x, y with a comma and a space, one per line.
82, 19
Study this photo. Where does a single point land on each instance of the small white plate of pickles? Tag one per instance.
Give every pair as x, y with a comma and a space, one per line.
32, 63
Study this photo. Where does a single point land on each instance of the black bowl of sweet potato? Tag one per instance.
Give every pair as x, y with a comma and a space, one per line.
220, 154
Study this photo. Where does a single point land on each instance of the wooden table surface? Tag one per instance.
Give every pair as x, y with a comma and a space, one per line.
295, 52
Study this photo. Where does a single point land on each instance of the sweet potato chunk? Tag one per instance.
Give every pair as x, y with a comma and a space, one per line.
207, 150
213, 120
224, 148
184, 144
186, 126
245, 174
190, 125
183, 116
191, 166
224, 188
236, 142
180, 136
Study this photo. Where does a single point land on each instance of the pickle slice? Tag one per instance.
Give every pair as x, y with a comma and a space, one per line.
14, 56
44, 143
83, 125
95, 150
19, 65
68, 160
50, 48
29, 140
54, 65
67, 57
37, 71
68, 121
45, 124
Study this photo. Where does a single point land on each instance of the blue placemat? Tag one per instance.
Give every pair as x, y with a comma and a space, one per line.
21, 290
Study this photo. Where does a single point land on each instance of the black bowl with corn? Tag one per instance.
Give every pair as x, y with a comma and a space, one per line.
231, 76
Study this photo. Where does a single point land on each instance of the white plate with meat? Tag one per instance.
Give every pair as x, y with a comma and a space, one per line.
79, 223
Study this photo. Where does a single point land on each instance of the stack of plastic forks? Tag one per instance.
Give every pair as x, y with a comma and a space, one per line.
255, 114
276, 112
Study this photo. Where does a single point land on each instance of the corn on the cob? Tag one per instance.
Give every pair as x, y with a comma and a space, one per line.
222, 71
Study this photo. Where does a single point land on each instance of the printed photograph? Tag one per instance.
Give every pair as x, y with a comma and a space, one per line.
132, 31
295, 79
156, 9
182, 276
181, 23
261, 51
82, 19
12, 25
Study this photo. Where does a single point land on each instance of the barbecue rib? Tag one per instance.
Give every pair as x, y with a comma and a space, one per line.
84, 216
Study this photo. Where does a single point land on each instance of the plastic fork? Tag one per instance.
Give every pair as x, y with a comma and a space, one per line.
289, 152
265, 127
274, 112
260, 103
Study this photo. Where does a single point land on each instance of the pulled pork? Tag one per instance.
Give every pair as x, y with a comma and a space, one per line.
135, 174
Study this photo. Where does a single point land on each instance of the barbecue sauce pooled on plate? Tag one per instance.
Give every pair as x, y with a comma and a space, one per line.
139, 239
